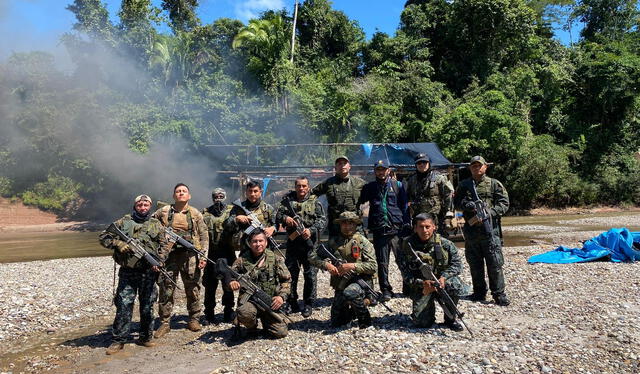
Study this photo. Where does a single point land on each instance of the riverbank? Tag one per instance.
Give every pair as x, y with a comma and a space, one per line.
563, 318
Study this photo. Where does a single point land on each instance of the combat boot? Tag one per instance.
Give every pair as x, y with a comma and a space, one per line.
162, 330
229, 315
364, 319
453, 324
114, 348
387, 295
294, 307
502, 300
194, 325
307, 310
146, 343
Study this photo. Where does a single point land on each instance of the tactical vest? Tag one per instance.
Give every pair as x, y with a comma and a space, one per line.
264, 277
342, 197
262, 214
349, 250
485, 190
306, 210
215, 225
426, 196
144, 233
166, 217
433, 254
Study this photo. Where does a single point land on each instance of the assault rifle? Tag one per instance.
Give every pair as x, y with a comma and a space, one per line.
299, 223
361, 282
139, 252
482, 213
173, 237
448, 306
256, 224
254, 294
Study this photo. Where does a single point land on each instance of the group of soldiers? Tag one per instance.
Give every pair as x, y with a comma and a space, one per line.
405, 218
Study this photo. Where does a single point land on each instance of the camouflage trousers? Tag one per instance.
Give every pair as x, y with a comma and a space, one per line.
297, 257
184, 263
478, 251
423, 311
348, 304
132, 282
248, 315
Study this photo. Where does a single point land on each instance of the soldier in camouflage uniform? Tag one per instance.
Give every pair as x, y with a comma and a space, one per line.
480, 248
238, 221
342, 190
135, 276
442, 255
360, 257
428, 191
219, 247
268, 272
187, 222
300, 246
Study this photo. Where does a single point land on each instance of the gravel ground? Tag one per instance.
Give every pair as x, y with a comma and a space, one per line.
576, 318
617, 221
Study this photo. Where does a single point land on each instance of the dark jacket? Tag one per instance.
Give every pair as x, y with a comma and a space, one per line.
388, 210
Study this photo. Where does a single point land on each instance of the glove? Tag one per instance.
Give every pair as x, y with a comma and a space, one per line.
122, 246
406, 231
469, 205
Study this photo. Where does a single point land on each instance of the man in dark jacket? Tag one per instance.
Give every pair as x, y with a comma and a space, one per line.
388, 219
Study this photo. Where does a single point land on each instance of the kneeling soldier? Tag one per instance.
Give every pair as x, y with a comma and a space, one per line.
442, 255
360, 261
136, 276
268, 272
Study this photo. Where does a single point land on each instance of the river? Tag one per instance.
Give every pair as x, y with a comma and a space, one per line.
33, 246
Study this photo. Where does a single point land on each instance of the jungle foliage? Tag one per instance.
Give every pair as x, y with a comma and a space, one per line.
560, 122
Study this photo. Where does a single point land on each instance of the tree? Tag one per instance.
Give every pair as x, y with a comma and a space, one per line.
92, 18
611, 19
182, 14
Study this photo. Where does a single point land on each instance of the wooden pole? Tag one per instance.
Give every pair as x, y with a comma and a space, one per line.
293, 29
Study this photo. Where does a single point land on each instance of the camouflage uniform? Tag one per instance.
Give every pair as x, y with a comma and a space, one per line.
342, 196
348, 301
263, 211
270, 274
477, 244
135, 276
312, 214
442, 255
190, 225
219, 247
429, 192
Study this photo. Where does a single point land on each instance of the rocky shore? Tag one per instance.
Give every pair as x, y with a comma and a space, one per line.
577, 318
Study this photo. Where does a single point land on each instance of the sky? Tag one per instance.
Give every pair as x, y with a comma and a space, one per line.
27, 25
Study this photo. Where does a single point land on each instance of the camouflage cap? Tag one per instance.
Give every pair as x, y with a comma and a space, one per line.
348, 216
381, 164
142, 197
422, 157
479, 159
341, 157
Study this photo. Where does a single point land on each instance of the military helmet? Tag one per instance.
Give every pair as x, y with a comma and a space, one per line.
219, 191
348, 216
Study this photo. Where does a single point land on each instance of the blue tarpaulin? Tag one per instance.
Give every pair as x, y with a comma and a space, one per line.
615, 244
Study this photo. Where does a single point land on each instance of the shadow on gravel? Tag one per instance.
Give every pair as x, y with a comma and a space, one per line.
99, 340
86, 226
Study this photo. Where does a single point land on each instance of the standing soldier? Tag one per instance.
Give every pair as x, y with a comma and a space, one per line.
187, 222
136, 276
442, 256
299, 246
388, 217
428, 191
482, 246
268, 272
219, 247
343, 192
360, 257
238, 220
